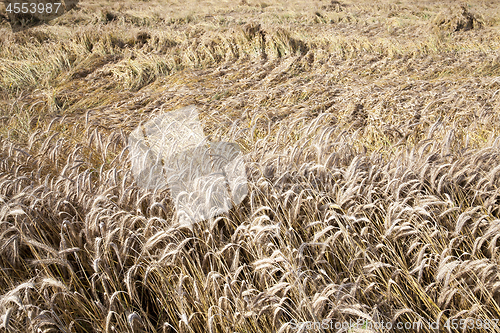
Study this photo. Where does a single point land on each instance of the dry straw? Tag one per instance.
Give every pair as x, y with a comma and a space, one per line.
372, 158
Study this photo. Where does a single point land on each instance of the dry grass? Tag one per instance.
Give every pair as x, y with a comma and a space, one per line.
373, 153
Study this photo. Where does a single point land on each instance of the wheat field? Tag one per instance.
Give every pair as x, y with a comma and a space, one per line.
371, 133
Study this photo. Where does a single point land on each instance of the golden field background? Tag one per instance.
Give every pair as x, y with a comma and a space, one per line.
371, 133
